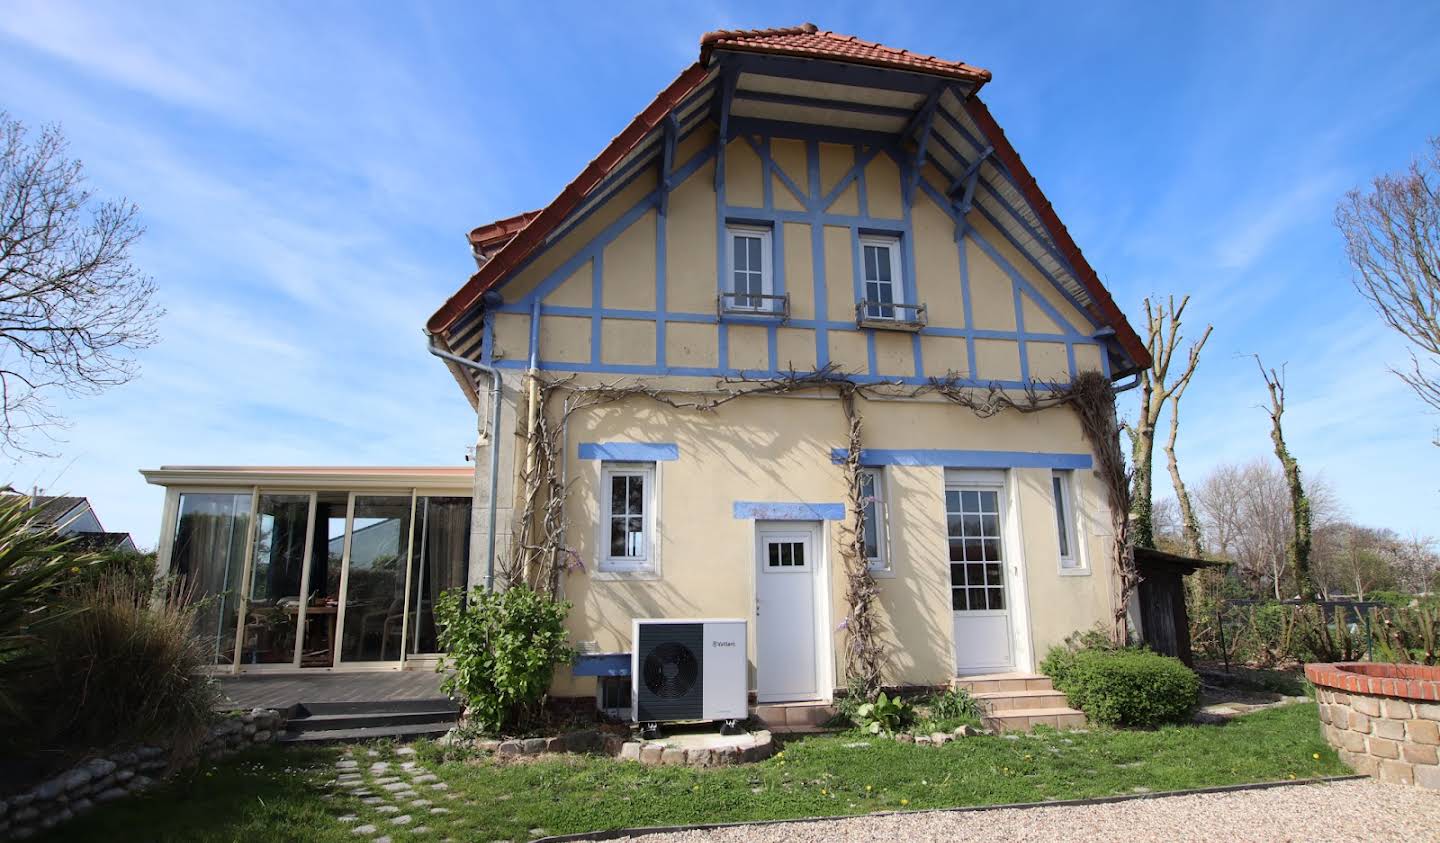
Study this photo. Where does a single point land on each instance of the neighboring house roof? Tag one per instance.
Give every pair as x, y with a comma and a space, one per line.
100, 542
1012, 180
51, 511
809, 41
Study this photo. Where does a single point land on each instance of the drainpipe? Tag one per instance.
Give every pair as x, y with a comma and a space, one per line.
1134, 382
494, 376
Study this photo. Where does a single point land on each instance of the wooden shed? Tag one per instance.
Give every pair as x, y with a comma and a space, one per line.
1164, 620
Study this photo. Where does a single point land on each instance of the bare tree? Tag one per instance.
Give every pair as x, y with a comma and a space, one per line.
73, 307
1392, 237
1356, 559
1416, 563
1163, 323
1298, 547
1247, 520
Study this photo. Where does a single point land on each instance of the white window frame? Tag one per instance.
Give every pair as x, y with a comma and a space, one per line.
647, 565
767, 266
1067, 516
890, 242
881, 564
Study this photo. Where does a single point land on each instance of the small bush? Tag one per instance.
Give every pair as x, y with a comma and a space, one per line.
1130, 687
885, 715
503, 647
952, 708
115, 668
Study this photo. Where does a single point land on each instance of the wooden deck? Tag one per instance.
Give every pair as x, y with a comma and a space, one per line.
284, 691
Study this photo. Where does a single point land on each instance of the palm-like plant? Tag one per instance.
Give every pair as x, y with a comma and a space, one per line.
33, 562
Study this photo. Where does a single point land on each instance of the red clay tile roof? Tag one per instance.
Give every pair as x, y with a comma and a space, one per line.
526, 232
809, 41
527, 239
1108, 311
500, 230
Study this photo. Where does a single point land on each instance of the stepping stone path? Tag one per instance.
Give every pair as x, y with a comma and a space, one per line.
386, 786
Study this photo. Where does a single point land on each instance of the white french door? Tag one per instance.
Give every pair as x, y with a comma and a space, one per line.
979, 575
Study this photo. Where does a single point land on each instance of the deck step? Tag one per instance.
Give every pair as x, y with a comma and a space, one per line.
376, 706
996, 702
1027, 719
366, 720
409, 731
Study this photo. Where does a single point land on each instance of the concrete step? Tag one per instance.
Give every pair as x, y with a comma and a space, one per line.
369, 719
989, 683
1027, 719
996, 702
793, 716
409, 731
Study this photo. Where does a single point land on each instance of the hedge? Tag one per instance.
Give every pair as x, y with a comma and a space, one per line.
1130, 687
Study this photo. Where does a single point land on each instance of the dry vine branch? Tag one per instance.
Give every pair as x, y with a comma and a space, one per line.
540, 554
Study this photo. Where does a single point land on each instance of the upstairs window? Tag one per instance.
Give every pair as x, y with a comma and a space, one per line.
880, 265
628, 522
750, 274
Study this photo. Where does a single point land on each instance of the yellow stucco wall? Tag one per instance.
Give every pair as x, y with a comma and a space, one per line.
742, 453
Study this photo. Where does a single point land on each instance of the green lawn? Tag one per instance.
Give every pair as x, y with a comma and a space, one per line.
277, 794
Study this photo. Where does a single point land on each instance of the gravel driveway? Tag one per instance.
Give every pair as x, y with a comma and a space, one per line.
1350, 810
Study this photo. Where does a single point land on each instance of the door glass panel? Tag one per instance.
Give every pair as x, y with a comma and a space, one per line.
976, 570
208, 552
375, 592
279, 563
323, 607
441, 562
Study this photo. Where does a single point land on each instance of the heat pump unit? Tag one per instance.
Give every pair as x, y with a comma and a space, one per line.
688, 670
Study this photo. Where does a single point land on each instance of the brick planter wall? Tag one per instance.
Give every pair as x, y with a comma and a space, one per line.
1384, 719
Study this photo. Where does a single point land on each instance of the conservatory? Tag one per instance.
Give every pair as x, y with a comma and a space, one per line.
312, 569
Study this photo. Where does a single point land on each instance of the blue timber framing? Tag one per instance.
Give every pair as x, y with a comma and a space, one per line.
629, 451
817, 203
966, 459
767, 511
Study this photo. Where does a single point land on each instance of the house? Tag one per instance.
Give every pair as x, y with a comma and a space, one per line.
810, 287
74, 518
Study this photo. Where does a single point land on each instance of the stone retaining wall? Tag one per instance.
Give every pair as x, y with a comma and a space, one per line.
742, 749
1384, 719
116, 775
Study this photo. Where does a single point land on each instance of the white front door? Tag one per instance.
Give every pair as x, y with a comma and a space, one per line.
978, 575
787, 664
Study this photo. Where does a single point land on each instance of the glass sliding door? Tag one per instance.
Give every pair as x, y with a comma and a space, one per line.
208, 553
275, 603
319, 634
440, 562
373, 621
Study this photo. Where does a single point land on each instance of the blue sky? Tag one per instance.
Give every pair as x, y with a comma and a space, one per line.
307, 172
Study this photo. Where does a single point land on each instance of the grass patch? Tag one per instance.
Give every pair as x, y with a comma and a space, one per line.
817, 776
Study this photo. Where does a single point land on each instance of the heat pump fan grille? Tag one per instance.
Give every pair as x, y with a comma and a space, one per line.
671, 670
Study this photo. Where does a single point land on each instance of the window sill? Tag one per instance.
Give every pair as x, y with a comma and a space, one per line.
639, 574
1074, 572
772, 307
908, 317
883, 573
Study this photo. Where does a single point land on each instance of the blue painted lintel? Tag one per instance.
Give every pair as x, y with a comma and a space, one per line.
767, 511
967, 459
630, 451
601, 664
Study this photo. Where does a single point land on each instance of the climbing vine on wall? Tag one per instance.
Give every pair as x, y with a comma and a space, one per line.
540, 554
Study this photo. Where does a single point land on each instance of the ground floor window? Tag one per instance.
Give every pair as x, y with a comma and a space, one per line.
628, 522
